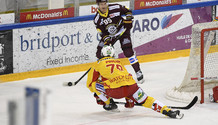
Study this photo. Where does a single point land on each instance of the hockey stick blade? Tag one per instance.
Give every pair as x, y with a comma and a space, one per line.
186, 107
173, 107
69, 84
74, 83
82, 76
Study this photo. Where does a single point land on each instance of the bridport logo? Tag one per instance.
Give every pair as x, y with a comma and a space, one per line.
167, 21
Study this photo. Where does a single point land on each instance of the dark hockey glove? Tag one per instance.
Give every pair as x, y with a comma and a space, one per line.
109, 40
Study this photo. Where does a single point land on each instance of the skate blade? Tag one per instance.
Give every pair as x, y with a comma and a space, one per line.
114, 110
180, 116
141, 81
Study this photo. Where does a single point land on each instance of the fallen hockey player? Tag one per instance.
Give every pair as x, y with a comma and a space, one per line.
117, 83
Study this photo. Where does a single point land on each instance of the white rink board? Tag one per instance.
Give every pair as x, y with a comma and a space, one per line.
152, 25
7, 18
38, 47
78, 41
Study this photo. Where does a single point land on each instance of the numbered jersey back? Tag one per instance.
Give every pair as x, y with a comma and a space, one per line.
114, 72
110, 68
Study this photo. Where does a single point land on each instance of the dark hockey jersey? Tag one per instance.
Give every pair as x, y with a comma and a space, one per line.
111, 22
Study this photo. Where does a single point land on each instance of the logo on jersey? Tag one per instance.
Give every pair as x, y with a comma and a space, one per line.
112, 29
139, 95
112, 15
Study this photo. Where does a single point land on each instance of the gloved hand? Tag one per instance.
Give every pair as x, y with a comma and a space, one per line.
109, 40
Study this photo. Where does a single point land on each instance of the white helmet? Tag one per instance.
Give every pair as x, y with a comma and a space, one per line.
107, 50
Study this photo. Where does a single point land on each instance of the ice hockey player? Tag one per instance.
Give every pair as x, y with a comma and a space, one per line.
110, 24
117, 83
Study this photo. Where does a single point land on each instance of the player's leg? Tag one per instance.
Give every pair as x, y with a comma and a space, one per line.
126, 46
100, 95
158, 106
149, 102
99, 47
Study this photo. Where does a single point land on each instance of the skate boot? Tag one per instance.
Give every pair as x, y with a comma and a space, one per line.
173, 114
111, 106
139, 76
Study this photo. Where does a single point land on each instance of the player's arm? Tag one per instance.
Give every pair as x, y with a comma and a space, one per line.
128, 13
101, 30
92, 78
104, 36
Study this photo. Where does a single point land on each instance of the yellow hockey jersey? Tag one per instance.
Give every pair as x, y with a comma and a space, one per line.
112, 72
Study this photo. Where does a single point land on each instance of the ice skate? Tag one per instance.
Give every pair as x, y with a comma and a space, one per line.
112, 107
173, 114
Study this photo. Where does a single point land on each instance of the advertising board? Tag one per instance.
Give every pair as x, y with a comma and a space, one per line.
59, 45
46, 14
144, 4
7, 18
54, 46
92, 9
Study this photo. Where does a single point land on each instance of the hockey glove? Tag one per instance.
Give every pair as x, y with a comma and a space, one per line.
109, 40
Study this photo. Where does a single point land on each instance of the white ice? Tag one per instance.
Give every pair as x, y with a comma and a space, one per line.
77, 106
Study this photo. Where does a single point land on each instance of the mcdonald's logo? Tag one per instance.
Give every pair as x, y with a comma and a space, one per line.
65, 12
174, 1
142, 4
28, 17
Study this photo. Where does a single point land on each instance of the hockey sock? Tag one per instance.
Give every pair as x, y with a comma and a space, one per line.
148, 102
155, 105
134, 62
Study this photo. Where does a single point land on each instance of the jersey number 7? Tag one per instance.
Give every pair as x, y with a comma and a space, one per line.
112, 66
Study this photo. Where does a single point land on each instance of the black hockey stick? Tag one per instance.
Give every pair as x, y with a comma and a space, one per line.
74, 83
195, 99
173, 107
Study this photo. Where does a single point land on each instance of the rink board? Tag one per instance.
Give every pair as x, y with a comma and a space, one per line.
65, 45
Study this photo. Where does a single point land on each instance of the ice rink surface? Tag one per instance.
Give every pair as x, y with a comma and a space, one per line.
77, 106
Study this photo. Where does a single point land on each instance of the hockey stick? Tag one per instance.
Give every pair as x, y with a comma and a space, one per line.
74, 83
195, 99
118, 35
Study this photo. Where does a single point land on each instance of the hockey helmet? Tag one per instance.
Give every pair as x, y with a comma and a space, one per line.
98, 1
107, 50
